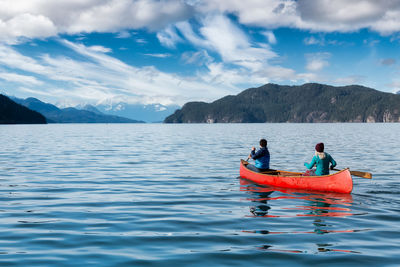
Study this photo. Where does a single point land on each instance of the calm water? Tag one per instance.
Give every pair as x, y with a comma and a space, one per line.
157, 195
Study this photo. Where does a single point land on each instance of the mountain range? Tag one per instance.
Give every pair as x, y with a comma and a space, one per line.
147, 113
310, 102
14, 113
54, 114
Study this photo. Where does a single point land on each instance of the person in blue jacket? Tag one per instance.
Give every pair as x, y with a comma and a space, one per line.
321, 160
261, 157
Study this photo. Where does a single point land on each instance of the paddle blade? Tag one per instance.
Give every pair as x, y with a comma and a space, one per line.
367, 175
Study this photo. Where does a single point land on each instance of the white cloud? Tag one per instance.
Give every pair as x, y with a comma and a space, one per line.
266, 13
18, 78
186, 30
221, 75
352, 79
310, 77
198, 58
101, 77
316, 64
278, 73
42, 18
26, 26
242, 60
99, 48
168, 37
321, 15
124, 34
159, 55
14, 60
270, 37
140, 41
313, 41
317, 61
218, 33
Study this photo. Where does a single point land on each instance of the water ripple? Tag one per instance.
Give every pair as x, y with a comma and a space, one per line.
160, 195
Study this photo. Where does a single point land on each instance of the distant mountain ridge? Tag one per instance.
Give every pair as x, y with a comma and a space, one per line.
148, 113
70, 115
14, 113
306, 103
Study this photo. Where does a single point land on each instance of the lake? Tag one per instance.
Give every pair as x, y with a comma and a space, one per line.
162, 195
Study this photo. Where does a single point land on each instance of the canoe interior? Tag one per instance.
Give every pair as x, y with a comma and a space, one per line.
278, 172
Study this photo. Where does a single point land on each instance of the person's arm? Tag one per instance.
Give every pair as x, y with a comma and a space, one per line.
258, 154
332, 161
253, 149
311, 164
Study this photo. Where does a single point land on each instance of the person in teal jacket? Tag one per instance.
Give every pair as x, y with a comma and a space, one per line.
321, 160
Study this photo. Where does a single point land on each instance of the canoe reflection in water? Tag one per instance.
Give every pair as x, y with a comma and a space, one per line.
276, 203
319, 203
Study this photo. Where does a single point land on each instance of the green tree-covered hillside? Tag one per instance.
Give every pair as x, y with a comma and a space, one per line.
306, 103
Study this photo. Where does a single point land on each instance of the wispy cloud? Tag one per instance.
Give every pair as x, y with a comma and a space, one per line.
387, 61
317, 61
124, 34
99, 48
159, 55
314, 41
352, 79
198, 58
101, 77
215, 36
219, 34
18, 78
270, 37
141, 41
169, 37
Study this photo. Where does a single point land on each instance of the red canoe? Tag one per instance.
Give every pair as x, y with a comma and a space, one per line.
339, 182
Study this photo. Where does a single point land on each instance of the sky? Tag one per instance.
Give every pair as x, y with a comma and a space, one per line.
70, 52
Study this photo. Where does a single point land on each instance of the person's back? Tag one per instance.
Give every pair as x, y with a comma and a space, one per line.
261, 157
321, 160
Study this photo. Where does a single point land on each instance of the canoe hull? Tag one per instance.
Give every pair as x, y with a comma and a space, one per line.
339, 182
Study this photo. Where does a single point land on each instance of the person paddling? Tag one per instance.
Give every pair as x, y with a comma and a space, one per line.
321, 160
261, 157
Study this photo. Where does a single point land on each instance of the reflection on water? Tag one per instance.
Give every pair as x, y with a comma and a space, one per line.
97, 195
272, 202
314, 204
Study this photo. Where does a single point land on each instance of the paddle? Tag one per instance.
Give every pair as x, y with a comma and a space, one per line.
367, 175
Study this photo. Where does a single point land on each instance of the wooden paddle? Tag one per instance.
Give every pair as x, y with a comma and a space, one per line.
367, 175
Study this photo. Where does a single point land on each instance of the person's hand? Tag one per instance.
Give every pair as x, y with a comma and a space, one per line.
253, 148
331, 167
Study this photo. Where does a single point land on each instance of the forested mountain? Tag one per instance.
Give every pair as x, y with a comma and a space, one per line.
306, 103
14, 113
71, 115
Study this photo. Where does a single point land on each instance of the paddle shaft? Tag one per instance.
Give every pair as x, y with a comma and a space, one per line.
366, 175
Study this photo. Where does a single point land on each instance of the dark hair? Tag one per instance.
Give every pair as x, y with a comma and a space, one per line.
319, 147
263, 143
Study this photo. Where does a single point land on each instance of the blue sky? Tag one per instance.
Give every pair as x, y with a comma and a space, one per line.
171, 52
